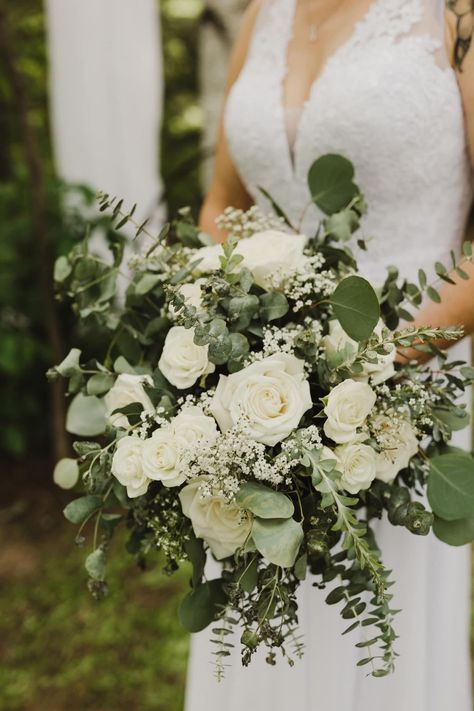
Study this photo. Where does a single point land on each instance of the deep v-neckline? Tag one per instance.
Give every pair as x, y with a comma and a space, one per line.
292, 151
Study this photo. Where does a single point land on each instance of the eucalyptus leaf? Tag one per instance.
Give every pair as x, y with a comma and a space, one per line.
99, 384
356, 307
122, 365
195, 551
243, 309
278, 540
70, 365
248, 580
62, 269
96, 564
86, 416
331, 183
240, 346
301, 567
451, 486
342, 224
454, 420
455, 533
79, 510
147, 283
202, 605
66, 473
264, 502
273, 306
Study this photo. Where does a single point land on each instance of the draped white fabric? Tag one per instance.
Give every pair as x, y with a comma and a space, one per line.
388, 100
106, 96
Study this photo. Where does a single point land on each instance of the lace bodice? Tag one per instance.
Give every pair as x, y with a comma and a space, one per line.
389, 101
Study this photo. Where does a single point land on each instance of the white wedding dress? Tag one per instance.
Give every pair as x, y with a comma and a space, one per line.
388, 100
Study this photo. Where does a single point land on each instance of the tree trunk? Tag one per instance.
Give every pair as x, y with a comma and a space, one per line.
41, 246
220, 23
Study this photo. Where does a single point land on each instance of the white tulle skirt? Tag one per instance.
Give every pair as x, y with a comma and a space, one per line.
433, 670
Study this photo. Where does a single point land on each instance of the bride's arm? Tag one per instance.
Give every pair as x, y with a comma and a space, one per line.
226, 187
457, 305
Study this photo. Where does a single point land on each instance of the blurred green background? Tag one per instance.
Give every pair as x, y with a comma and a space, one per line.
58, 648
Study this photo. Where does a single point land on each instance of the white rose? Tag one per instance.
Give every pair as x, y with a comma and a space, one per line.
126, 390
191, 293
127, 466
162, 452
384, 368
272, 395
357, 464
161, 457
195, 426
267, 254
338, 342
225, 527
273, 255
398, 442
347, 407
209, 257
182, 362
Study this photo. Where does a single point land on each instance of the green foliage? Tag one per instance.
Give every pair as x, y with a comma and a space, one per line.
454, 533
202, 605
356, 307
263, 501
278, 539
451, 486
331, 182
80, 510
66, 473
86, 416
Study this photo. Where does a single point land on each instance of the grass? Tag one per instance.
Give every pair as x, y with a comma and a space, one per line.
57, 643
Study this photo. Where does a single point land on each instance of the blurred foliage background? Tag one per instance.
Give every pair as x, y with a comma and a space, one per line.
58, 648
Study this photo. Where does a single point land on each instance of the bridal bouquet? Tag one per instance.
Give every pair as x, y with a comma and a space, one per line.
247, 406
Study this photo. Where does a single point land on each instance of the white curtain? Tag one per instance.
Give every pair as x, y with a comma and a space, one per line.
106, 96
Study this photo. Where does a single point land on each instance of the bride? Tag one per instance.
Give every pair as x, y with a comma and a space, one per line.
390, 85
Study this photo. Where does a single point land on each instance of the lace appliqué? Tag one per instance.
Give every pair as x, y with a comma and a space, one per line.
389, 101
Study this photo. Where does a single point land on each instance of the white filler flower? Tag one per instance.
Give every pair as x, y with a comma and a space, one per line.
271, 395
270, 254
398, 442
127, 466
347, 407
162, 452
182, 362
223, 525
126, 390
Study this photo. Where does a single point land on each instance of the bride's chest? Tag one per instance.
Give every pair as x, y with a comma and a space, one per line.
386, 98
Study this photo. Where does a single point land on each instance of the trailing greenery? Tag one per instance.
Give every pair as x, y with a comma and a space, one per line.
303, 326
